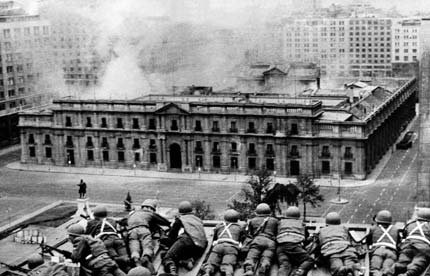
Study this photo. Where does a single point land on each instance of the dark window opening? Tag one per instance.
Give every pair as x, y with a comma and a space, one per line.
135, 123
106, 156
198, 126
269, 128
32, 151
48, 140
90, 142
90, 155
121, 156
215, 147
269, 149
199, 148
105, 143
233, 127
120, 144
69, 141
251, 127
294, 129
270, 164
233, 163
152, 124
136, 143
174, 125
31, 138
119, 123
234, 147
348, 152
348, 168
251, 148
199, 161
104, 123
325, 151
68, 121
294, 151
136, 157
153, 158
325, 167
215, 127
152, 144
48, 152
294, 167
252, 163
89, 124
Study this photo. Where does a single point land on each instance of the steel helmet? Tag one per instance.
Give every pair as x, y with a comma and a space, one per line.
263, 209
139, 271
332, 218
384, 216
75, 230
185, 207
150, 203
423, 213
231, 215
100, 212
34, 260
292, 212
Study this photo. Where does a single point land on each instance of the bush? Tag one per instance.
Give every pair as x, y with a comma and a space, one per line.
202, 209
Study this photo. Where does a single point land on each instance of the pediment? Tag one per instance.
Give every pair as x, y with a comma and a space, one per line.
172, 108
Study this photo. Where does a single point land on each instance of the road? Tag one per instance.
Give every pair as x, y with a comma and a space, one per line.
394, 189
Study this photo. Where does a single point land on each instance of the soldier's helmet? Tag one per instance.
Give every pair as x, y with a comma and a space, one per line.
423, 213
292, 212
384, 216
185, 207
332, 218
263, 209
34, 261
231, 215
100, 212
150, 203
139, 271
75, 230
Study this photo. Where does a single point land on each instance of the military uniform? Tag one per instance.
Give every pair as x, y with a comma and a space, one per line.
190, 244
92, 253
140, 223
105, 229
383, 240
336, 247
414, 254
227, 237
290, 249
263, 230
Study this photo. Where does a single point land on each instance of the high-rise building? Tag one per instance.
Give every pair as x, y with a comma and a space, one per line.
24, 56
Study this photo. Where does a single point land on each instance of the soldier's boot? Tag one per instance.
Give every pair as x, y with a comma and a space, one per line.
284, 269
188, 263
249, 271
147, 262
264, 267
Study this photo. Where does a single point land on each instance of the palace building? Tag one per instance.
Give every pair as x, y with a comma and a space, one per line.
322, 133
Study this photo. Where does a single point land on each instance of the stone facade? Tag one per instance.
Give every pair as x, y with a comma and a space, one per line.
215, 133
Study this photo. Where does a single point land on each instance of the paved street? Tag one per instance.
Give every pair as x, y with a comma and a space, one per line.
20, 190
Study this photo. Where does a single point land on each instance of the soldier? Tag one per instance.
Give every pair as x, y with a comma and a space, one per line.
336, 246
414, 254
105, 229
262, 229
91, 253
290, 250
227, 237
383, 239
190, 244
140, 223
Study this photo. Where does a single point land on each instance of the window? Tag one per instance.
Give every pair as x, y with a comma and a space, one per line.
174, 125
89, 143
104, 123
294, 129
216, 161
270, 164
269, 128
198, 126
48, 152
251, 127
105, 156
348, 168
120, 144
325, 151
325, 167
348, 152
119, 123
152, 144
199, 161
252, 163
233, 163
152, 124
69, 141
135, 123
31, 138
136, 157
294, 167
251, 148
136, 144
294, 151
90, 155
233, 127
199, 148
68, 121
153, 158
32, 151
215, 127
215, 147
88, 124
48, 140
121, 156
234, 147
105, 143
269, 149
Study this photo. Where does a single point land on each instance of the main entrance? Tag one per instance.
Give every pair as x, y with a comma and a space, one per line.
175, 156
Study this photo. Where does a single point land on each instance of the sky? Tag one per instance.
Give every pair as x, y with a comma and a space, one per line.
402, 5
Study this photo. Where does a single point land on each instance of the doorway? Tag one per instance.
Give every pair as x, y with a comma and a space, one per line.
175, 156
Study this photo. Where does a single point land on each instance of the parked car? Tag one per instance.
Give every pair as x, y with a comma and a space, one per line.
406, 142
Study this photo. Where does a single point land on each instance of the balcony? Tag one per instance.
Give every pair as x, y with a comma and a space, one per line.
216, 151
152, 147
325, 155
270, 153
251, 153
233, 130
136, 146
348, 156
215, 129
198, 150
198, 128
105, 145
251, 130
69, 145
89, 145
293, 154
234, 151
270, 131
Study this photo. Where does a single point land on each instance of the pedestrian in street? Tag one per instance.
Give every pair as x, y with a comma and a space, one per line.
82, 189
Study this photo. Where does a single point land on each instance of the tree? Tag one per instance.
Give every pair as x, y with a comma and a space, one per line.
309, 192
202, 209
128, 202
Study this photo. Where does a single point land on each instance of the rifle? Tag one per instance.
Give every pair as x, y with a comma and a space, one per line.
49, 249
15, 268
